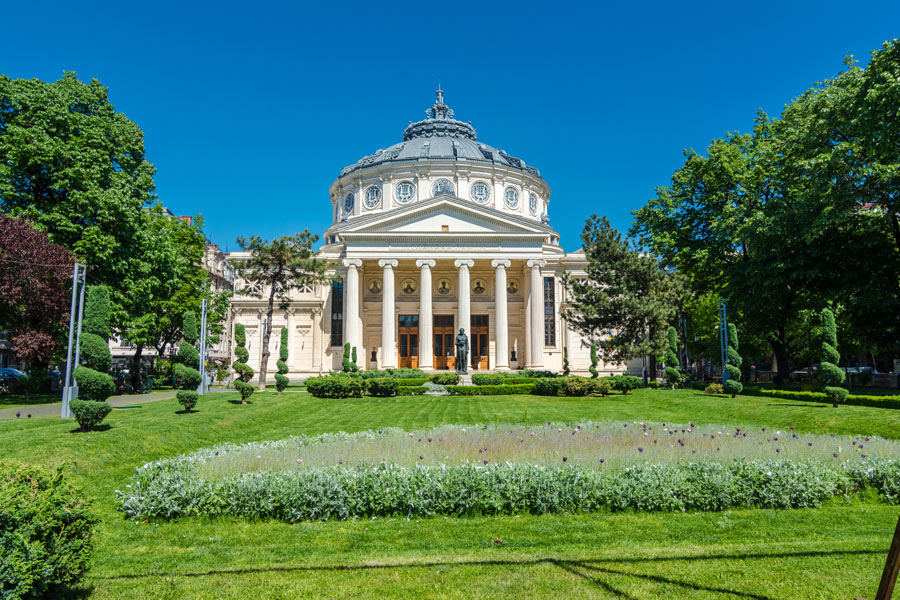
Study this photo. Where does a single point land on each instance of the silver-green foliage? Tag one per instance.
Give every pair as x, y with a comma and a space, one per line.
172, 488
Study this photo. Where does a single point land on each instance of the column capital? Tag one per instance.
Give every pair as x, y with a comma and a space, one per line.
387, 262
464, 262
536, 263
352, 262
425, 262
500, 262
315, 310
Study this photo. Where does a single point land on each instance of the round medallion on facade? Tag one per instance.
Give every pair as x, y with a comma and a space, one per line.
478, 286
348, 203
408, 286
373, 196
443, 286
442, 186
512, 286
480, 192
375, 286
405, 191
532, 203
511, 198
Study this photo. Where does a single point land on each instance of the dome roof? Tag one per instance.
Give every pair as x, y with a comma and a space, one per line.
440, 137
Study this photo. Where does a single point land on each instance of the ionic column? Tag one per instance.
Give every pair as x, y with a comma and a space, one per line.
501, 342
426, 350
351, 301
388, 320
536, 353
465, 290
293, 359
317, 339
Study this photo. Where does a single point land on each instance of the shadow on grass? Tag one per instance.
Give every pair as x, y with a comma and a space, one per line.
185, 412
596, 569
102, 427
803, 405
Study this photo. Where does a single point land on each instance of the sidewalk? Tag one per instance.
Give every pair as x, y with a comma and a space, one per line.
38, 411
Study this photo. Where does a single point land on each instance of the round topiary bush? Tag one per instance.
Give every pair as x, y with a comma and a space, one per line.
46, 531
95, 352
188, 378
88, 413
245, 389
94, 385
188, 355
188, 399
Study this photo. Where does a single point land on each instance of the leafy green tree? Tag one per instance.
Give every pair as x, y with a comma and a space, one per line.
673, 373
281, 380
167, 280
276, 269
626, 295
733, 362
829, 372
241, 368
77, 169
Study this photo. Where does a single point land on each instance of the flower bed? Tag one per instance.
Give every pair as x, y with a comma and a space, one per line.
510, 469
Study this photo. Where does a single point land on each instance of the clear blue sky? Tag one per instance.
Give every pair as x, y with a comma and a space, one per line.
251, 109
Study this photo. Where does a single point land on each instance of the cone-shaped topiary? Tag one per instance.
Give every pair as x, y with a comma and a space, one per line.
673, 374
96, 311
189, 327
240, 366
281, 380
733, 362
830, 374
566, 361
593, 367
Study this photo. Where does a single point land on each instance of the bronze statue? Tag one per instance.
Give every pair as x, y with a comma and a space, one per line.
462, 351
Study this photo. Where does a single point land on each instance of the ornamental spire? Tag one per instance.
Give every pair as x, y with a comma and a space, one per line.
440, 110
439, 121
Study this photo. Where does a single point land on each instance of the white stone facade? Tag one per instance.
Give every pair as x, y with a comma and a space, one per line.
433, 234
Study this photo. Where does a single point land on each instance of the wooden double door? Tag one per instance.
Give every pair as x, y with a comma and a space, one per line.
408, 341
445, 342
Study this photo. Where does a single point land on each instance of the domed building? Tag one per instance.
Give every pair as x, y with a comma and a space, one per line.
437, 232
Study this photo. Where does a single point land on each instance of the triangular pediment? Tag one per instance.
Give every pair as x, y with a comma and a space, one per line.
442, 215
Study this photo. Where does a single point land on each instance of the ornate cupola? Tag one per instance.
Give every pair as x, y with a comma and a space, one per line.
439, 122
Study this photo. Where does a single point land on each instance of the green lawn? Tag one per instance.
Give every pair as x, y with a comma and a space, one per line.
23, 400
831, 552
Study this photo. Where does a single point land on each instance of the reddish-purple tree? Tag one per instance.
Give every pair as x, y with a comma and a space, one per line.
34, 290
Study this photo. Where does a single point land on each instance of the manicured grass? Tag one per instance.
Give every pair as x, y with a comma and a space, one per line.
834, 551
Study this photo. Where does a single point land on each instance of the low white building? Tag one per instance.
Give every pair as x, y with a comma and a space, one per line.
433, 234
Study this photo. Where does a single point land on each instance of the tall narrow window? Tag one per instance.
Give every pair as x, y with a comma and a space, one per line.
549, 312
337, 313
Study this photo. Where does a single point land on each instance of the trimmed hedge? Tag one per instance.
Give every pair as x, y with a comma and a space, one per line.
625, 383
892, 402
499, 379
89, 413
46, 528
411, 380
444, 378
548, 386
381, 387
335, 386
490, 390
402, 373
572, 386
95, 353
411, 390
188, 377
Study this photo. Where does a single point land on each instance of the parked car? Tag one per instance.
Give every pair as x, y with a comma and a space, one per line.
10, 379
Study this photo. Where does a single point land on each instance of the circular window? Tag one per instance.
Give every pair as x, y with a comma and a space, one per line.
442, 186
532, 204
404, 192
348, 203
480, 192
511, 197
373, 196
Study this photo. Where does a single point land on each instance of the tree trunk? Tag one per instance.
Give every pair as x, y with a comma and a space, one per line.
652, 367
267, 333
136, 379
779, 347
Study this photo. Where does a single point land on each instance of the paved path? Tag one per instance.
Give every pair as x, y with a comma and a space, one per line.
52, 410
